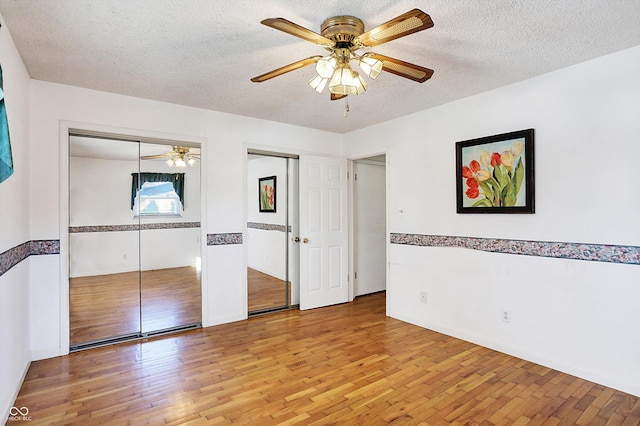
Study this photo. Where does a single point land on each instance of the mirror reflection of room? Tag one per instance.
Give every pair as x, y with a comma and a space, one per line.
134, 239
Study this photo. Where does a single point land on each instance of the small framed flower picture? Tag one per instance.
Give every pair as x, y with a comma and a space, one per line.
494, 174
267, 194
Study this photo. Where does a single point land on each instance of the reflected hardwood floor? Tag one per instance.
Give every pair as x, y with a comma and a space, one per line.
105, 306
341, 365
265, 291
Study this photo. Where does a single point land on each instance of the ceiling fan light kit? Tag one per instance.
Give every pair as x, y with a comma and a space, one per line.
318, 83
178, 157
342, 36
325, 67
371, 66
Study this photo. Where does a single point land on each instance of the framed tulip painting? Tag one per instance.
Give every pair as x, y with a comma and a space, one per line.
494, 174
267, 194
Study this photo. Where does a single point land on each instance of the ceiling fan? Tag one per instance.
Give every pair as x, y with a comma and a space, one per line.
343, 36
179, 157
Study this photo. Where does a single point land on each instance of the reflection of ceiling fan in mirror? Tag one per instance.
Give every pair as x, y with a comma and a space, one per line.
343, 36
179, 157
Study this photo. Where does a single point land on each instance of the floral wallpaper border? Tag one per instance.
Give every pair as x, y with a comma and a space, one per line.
224, 239
577, 251
17, 254
268, 226
134, 227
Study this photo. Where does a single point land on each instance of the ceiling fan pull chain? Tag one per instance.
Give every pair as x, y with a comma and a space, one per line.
346, 106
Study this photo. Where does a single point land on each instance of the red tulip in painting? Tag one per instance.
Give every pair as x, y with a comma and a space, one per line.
493, 179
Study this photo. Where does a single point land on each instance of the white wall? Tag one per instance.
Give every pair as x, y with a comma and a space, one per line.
577, 316
15, 354
224, 139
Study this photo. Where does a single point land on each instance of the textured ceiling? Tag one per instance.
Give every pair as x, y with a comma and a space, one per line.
202, 53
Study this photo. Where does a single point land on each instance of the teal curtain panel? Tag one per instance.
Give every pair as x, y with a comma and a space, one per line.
6, 161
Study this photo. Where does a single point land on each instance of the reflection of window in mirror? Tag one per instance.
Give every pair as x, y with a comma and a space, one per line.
157, 199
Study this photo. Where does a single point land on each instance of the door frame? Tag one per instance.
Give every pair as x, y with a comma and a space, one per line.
67, 127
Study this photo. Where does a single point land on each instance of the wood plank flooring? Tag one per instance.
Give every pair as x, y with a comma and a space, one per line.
265, 291
105, 306
340, 365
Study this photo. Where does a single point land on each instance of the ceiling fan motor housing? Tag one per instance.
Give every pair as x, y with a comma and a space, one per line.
181, 150
342, 29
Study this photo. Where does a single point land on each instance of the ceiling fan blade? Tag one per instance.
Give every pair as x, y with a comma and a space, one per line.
335, 97
404, 69
153, 157
282, 70
408, 23
296, 30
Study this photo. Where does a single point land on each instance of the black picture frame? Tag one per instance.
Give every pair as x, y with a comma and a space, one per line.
267, 194
495, 174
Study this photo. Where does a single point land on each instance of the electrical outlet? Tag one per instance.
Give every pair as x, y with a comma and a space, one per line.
506, 316
423, 297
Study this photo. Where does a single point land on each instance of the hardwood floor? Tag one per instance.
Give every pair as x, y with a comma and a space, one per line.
105, 306
265, 291
340, 365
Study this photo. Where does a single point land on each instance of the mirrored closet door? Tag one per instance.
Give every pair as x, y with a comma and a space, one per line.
272, 228
134, 239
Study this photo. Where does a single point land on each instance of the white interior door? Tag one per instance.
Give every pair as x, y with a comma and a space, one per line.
323, 232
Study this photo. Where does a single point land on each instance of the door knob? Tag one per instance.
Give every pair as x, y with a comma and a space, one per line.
305, 240
296, 240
